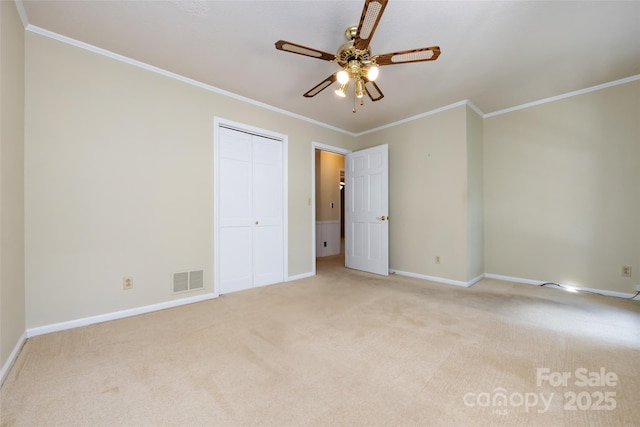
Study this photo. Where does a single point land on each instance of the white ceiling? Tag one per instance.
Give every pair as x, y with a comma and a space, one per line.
496, 54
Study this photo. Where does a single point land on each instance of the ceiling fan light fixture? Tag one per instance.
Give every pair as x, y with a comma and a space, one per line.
343, 77
342, 89
356, 60
372, 73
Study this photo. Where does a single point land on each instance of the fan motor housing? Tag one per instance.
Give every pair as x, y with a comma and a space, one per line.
348, 53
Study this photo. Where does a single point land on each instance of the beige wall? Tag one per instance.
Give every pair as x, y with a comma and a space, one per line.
475, 196
328, 166
427, 193
562, 190
119, 181
12, 287
118, 167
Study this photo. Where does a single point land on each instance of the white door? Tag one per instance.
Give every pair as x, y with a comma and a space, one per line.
366, 210
267, 212
250, 214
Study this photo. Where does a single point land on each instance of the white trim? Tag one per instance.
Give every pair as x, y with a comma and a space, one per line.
437, 279
22, 13
426, 114
284, 139
513, 279
71, 324
540, 282
299, 276
216, 206
285, 206
475, 108
136, 63
565, 95
475, 280
12, 357
412, 118
330, 148
322, 147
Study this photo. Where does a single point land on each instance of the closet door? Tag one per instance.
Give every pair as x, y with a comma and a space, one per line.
267, 211
235, 212
250, 212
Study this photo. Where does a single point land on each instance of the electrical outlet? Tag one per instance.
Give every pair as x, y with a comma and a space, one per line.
437, 259
626, 271
127, 283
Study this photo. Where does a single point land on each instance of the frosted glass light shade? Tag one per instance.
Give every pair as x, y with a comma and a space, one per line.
372, 74
343, 77
342, 89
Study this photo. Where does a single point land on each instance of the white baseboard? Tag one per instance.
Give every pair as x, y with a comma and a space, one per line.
40, 330
438, 279
300, 276
540, 282
408, 274
475, 280
513, 279
12, 358
31, 332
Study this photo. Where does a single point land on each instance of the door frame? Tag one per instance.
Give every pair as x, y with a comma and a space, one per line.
219, 122
322, 147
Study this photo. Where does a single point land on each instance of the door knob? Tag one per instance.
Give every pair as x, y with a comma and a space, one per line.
382, 218
256, 222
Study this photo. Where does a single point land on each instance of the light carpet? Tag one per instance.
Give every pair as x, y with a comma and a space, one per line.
343, 348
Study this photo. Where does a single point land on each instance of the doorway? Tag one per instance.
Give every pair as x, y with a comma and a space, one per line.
328, 188
327, 201
366, 213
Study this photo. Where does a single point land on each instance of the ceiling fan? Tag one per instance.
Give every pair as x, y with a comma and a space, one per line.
355, 57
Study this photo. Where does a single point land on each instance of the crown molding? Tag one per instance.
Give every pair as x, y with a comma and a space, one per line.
416, 117
157, 70
139, 64
22, 13
475, 108
565, 95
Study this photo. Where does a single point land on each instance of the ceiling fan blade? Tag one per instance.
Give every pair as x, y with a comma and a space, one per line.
321, 86
303, 50
414, 55
371, 14
373, 90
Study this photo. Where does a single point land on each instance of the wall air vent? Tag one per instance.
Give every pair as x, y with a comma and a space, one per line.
186, 281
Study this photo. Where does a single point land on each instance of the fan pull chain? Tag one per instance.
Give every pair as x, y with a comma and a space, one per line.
354, 103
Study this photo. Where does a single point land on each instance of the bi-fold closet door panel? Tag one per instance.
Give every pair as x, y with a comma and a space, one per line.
268, 241
251, 217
